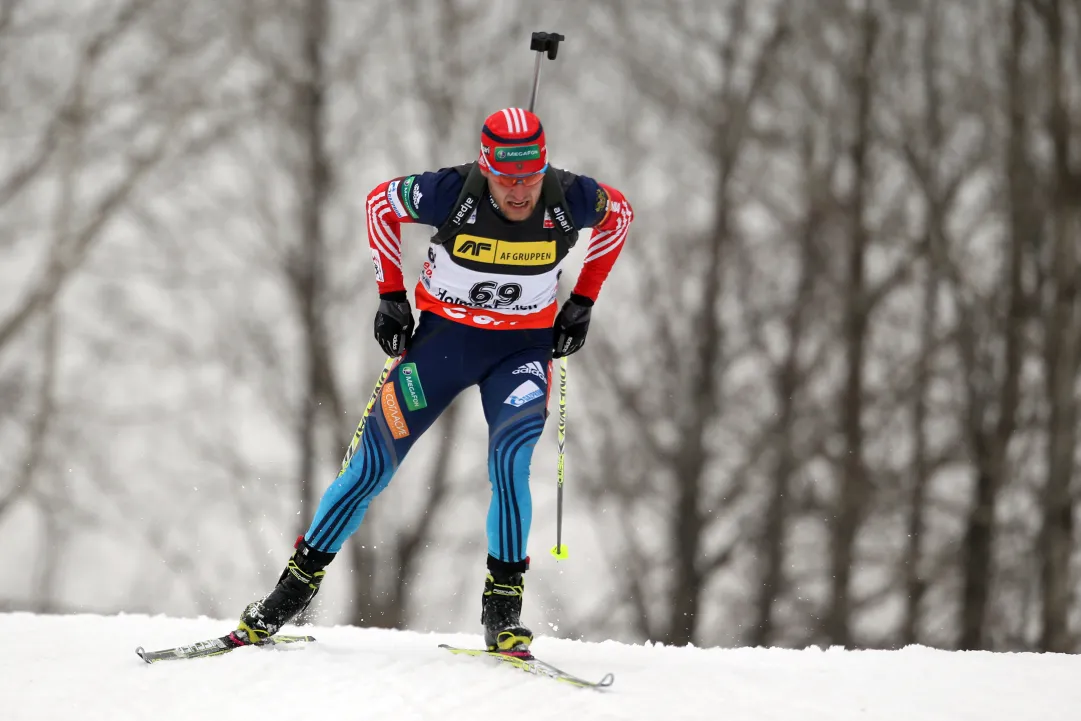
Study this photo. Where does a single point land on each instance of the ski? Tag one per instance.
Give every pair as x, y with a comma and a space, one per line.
531, 664
212, 647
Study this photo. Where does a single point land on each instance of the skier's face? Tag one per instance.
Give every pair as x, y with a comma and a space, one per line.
517, 199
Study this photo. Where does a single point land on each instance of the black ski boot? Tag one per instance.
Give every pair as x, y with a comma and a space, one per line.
501, 607
295, 590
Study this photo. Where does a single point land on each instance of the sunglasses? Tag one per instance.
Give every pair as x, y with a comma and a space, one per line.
509, 180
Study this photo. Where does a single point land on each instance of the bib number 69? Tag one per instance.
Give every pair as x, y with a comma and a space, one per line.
486, 291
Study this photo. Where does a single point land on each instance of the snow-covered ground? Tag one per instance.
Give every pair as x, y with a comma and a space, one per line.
79, 668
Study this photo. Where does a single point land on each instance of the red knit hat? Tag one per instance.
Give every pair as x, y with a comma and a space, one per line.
512, 141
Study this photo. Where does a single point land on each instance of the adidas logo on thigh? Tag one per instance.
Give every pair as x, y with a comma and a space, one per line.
535, 368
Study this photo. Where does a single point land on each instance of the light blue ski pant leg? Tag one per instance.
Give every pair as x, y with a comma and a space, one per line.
345, 502
515, 397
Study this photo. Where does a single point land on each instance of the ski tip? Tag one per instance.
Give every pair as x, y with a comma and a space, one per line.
142, 654
608, 680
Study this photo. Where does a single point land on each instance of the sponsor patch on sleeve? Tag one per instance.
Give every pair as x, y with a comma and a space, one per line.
601, 207
396, 202
411, 196
602, 199
378, 263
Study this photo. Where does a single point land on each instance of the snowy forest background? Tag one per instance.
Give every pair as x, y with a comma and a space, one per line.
830, 394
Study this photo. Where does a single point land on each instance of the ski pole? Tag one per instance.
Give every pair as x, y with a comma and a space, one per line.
560, 551
548, 43
355, 443
542, 43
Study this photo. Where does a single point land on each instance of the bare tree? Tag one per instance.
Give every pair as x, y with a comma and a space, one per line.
67, 129
691, 498
854, 490
992, 399
90, 139
789, 377
922, 465
1062, 327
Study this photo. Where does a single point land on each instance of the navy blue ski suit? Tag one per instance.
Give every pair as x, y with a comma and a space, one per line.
487, 302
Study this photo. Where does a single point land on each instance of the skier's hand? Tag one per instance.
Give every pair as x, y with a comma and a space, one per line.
394, 323
571, 326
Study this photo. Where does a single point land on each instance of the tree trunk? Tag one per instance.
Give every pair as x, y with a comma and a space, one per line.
854, 491
991, 448
687, 522
1061, 333
308, 274
788, 386
1056, 534
915, 584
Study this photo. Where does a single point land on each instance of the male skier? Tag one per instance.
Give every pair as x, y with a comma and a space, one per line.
487, 301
